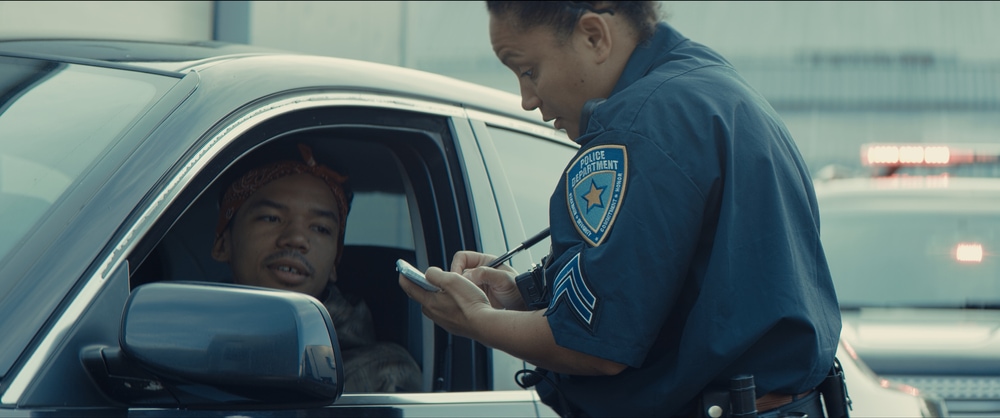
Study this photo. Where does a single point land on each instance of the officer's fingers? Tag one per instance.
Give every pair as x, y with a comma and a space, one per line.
494, 278
436, 276
485, 276
480, 278
464, 292
415, 292
434, 304
507, 268
465, 260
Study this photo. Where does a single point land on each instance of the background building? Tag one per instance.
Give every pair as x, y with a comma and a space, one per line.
841, 73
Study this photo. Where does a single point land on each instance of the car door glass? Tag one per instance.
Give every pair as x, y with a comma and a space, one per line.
532, 166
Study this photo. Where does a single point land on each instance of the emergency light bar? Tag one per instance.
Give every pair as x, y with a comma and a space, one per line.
902, 154
969, 252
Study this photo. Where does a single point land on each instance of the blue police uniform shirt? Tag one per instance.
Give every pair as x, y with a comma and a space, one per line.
685, 242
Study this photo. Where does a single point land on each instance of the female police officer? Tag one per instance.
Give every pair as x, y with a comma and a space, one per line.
685, 233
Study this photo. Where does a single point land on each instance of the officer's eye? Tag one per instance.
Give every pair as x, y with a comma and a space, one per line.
530, 73
268, 218
323, 230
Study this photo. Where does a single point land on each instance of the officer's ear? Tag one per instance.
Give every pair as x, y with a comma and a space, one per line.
595, 33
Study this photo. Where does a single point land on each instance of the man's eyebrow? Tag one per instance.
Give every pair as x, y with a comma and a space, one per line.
268, 203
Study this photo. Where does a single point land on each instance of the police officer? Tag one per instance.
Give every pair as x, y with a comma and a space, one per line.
685, 233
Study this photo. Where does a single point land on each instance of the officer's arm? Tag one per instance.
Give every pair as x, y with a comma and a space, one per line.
463, 309
527, 335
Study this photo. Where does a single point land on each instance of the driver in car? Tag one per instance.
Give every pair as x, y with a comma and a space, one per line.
281, 225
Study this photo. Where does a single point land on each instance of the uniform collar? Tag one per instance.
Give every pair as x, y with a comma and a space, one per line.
649, 55
646, 56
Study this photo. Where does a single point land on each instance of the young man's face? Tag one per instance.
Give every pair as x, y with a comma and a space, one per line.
555, 77
284, 236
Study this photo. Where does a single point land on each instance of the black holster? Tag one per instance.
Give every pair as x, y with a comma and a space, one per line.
834, 391
739, 399
736, 401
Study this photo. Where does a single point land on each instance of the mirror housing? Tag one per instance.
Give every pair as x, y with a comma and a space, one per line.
211, 345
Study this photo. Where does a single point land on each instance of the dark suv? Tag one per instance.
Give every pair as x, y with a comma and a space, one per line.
112, 156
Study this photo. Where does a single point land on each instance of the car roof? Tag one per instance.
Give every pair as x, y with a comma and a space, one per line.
177, 58
907, 185
909, 193
129, 51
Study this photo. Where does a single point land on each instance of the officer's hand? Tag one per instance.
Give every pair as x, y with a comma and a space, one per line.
454, 307
497, 283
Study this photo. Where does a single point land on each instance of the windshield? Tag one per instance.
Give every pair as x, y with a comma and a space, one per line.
56, 120
914, 258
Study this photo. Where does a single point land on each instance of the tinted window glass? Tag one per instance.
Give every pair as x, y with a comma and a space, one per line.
533, 166
913, 258
379, 218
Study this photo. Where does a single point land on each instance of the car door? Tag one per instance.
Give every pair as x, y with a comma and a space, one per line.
415, 167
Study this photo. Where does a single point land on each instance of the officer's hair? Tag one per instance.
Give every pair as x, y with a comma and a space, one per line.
561, 16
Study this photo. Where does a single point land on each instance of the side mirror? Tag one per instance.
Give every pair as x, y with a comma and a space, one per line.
212, 345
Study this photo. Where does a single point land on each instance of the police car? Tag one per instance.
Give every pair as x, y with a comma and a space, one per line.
915, 255
112, 158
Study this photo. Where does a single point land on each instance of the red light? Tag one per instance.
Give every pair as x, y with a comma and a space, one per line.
922, 154
907, 155
969, 252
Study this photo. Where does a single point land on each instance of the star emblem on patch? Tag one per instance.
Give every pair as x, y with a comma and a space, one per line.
595, 184
593, 196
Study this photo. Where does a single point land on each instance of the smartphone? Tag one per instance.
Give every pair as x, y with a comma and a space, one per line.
415, 275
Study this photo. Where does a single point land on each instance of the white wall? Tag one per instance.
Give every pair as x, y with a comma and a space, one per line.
451, 37
370, 31
445, 37
129, 19
967, 30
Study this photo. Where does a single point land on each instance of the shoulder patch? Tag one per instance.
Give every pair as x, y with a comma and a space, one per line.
571, 288
595, 182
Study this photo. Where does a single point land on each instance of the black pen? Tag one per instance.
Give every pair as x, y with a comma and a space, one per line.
527, 243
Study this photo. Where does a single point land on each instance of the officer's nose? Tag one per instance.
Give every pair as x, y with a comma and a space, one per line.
529, 99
